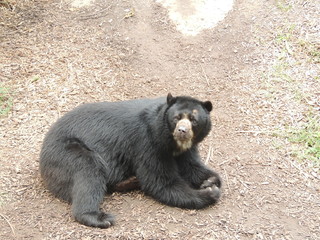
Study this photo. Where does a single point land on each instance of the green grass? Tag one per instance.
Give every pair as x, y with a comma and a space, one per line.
281, 81
2, 198
283, 5
5, 101
311, 49
307, 140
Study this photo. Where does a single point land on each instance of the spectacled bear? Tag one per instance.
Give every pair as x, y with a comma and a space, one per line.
92, 148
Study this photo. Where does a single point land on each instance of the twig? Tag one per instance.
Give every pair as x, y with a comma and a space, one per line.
244, 184
255, 132
288, 48
222, 163
297, 167
209, 155
6, 4
5, 218
250, 131
227, 179
96, 15
130, 14
205, 76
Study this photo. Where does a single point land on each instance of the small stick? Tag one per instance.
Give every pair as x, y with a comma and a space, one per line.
12, 229
209, 155
206, 77
227, 178
256, 132
95, 15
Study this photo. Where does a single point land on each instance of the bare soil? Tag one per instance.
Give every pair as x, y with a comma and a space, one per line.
54, 57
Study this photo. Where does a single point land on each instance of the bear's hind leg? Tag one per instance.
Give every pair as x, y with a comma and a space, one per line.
88, 192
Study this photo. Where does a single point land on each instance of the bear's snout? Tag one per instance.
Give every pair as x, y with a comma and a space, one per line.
183, 131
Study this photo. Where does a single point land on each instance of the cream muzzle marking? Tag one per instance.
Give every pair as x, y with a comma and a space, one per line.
183, 134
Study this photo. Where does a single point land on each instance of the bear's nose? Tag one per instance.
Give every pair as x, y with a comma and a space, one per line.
182, 129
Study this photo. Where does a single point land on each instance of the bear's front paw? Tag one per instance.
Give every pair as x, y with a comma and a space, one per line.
212, 192
210, 182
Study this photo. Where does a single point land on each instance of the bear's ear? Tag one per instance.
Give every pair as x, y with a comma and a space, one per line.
207, 105
170, 99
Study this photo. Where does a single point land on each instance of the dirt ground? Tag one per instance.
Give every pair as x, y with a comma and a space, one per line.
54, 57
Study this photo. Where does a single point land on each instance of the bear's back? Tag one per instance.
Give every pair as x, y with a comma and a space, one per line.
116, 119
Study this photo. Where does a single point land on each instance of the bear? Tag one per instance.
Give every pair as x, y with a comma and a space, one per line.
96, 146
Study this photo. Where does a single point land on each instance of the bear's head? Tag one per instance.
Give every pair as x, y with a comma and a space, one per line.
188, 120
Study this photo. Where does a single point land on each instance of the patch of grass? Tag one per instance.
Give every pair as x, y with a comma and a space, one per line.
283, 5
279, 73
311, 49
283, 81
5, 101
290, 43
286, 33
2, 198
307, 138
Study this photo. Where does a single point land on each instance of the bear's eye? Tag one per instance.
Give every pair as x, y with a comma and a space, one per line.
194, 121
176, 119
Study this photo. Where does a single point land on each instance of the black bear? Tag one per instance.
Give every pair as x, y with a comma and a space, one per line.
91, 149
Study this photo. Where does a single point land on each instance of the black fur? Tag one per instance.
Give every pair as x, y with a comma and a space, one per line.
92, 148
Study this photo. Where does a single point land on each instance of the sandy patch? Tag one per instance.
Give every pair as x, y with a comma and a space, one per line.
81, 3
193, 16
190, 16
